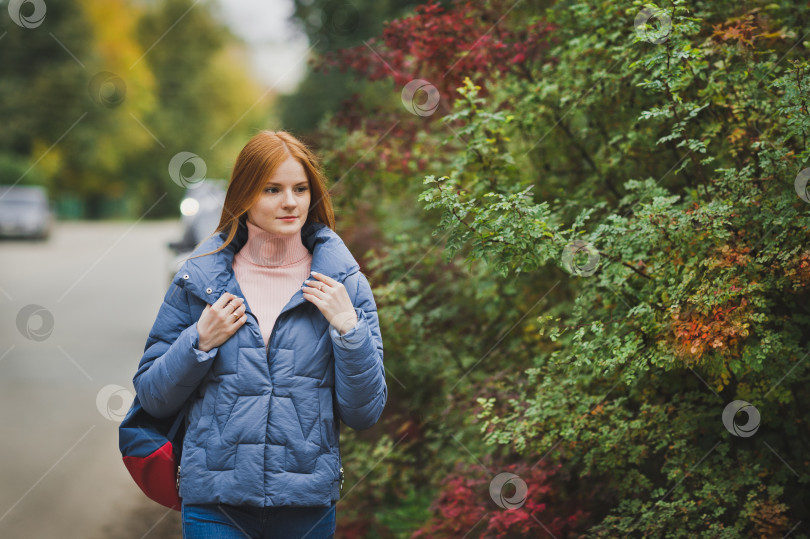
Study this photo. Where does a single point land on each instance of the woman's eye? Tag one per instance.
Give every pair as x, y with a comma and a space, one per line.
274, 189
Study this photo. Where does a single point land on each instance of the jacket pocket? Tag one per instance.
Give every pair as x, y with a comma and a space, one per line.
247, 421
301, 457
313, 365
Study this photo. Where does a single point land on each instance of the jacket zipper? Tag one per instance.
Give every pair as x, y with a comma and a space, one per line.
267, 358
267, 346
270, 340
270, 376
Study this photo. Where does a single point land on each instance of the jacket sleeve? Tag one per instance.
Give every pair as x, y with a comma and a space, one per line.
171, 367
359, 372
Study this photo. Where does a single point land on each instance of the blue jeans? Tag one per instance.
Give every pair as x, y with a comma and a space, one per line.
223, 521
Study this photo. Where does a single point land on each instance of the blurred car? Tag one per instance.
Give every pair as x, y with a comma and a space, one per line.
200, 212
25, 212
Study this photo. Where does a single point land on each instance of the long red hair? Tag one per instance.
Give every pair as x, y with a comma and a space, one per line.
257, 161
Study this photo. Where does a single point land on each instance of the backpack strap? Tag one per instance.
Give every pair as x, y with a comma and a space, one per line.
181, 415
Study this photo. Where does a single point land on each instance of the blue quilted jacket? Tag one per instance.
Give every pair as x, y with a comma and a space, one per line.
263, 424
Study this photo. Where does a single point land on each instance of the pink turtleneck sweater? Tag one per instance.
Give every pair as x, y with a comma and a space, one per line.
270, 268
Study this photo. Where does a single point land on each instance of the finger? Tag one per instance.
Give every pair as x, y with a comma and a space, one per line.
237, 317
313, 287
324, 278
232, 305
312, 294
223, 300
229, 311
238, 321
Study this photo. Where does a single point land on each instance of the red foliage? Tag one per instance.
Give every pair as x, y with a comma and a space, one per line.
721, 329
740, 31
465, 506
769, 519
732, 255
443, 47
743, 31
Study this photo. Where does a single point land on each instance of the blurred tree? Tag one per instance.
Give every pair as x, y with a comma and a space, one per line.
43, 84
120, 88
206, 102
97, 97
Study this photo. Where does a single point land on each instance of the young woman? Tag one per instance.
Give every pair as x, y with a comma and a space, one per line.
269, 334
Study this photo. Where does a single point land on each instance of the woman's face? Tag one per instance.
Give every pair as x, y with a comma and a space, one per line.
285, 194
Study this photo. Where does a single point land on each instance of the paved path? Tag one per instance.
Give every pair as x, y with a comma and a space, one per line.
61, 473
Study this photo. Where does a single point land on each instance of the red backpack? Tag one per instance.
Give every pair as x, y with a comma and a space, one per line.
151, 448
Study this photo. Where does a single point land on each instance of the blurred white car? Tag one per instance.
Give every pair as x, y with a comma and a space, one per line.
200, 212
25, 212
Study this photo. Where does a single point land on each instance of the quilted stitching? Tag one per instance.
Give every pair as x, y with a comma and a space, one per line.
265, 430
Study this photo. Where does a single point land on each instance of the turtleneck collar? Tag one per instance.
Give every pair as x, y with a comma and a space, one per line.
264, 248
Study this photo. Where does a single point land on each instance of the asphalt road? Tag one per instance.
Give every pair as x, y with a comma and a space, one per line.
75, 313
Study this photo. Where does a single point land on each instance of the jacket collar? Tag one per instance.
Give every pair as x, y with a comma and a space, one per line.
208, 277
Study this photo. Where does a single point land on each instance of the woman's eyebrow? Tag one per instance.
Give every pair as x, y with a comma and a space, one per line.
299, 183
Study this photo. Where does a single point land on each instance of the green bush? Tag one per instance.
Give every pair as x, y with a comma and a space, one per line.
687, 246
634, 219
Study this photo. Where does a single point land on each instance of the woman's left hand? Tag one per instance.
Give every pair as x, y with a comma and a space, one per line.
332, 299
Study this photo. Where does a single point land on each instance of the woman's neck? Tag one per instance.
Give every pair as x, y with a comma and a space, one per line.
264, 248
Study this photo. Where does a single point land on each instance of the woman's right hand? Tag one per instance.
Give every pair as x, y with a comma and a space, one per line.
219, 321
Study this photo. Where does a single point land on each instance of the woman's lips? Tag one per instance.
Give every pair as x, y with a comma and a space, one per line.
288, 218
